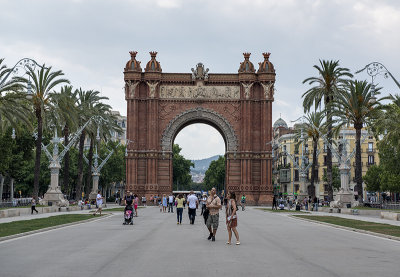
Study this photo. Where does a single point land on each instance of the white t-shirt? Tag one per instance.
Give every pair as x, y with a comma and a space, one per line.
99, 199
171, 199
192, 199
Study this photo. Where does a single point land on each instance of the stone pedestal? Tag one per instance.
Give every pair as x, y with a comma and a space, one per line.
344, 197
303, 189
54, 194
95, 188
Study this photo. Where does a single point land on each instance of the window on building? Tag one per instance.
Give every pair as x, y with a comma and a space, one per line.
296, 160
340, 148
285, 188
296, 175
123, 124
306, 148
325, 148
284, 161
296, 188
326, 187
325, 160
284, 148
371, 159
370, 146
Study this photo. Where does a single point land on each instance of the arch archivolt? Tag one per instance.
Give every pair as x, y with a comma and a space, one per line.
199, 114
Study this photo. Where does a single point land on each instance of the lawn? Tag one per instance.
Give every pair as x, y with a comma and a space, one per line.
380, 228
280, 211
16, 227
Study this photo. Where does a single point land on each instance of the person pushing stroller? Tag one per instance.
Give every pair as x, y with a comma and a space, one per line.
128, 211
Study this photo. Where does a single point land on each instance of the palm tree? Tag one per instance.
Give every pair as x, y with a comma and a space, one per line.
388, 121
44, 80
357, 105
14, 107
312, 127
327, 86
66, 115
87, 100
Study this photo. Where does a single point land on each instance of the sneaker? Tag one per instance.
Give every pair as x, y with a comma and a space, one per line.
210, 237
177, 223
213, 238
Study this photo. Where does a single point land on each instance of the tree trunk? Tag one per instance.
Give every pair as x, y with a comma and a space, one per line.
78, 193
88, 187
329, 154
65, 184
38, 153
358, 172
1, 187
12, 189
312, 181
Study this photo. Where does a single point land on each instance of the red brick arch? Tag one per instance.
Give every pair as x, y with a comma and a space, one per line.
239, 106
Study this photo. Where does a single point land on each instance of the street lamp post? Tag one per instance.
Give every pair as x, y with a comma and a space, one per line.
54, 193
374, 69
96, 168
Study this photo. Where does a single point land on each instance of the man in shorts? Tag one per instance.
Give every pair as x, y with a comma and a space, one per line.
213, 204
99, 202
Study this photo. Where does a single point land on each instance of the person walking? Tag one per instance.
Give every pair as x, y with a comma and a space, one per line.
243, 202
315, 204
171, 203
99, 202
203, 203
33, 206
213, 204
144, 200
135, 204
231, 218
274, 206
164, 203
193, 203
179, 208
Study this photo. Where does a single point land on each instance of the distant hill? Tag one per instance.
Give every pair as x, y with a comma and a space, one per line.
201, 166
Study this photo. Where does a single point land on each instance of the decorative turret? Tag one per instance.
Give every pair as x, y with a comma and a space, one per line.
246, 66
266, 66
153, 65
133, 64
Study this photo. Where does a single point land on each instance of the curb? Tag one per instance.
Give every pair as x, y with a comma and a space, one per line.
348, 228
52, 228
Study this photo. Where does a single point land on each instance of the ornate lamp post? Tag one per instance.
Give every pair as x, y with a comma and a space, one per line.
374, 69
54, 193
96, 167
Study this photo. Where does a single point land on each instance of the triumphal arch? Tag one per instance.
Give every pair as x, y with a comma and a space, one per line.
239, 106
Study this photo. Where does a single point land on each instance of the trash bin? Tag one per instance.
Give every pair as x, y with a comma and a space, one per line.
50, 203
348, 206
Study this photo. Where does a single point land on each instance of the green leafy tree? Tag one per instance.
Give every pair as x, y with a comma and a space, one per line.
182, 179
114, 170
215, 174
373, 178
326, 87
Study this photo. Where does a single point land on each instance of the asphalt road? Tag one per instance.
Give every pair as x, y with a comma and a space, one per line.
272, 245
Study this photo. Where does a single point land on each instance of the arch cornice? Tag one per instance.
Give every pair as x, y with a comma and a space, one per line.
199, 114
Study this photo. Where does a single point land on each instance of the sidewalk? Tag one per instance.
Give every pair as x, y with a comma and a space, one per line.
44, 215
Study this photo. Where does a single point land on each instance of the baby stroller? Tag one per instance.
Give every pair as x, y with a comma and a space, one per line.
128, 215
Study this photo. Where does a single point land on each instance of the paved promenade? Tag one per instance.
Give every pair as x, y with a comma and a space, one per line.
272, 245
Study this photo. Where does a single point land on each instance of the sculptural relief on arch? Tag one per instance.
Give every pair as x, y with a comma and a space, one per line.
238, 105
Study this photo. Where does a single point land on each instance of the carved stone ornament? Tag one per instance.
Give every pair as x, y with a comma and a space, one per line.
268, 90
131, 88
199, 73
194, 115
247, 88
152, 87
194, 92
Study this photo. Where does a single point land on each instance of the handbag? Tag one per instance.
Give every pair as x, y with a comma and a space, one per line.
206, 213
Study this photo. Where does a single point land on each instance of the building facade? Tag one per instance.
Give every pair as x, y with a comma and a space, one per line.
287, 177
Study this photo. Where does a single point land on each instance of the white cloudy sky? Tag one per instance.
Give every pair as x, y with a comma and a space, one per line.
90, 39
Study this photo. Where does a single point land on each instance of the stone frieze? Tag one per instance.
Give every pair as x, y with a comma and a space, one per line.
204, 92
